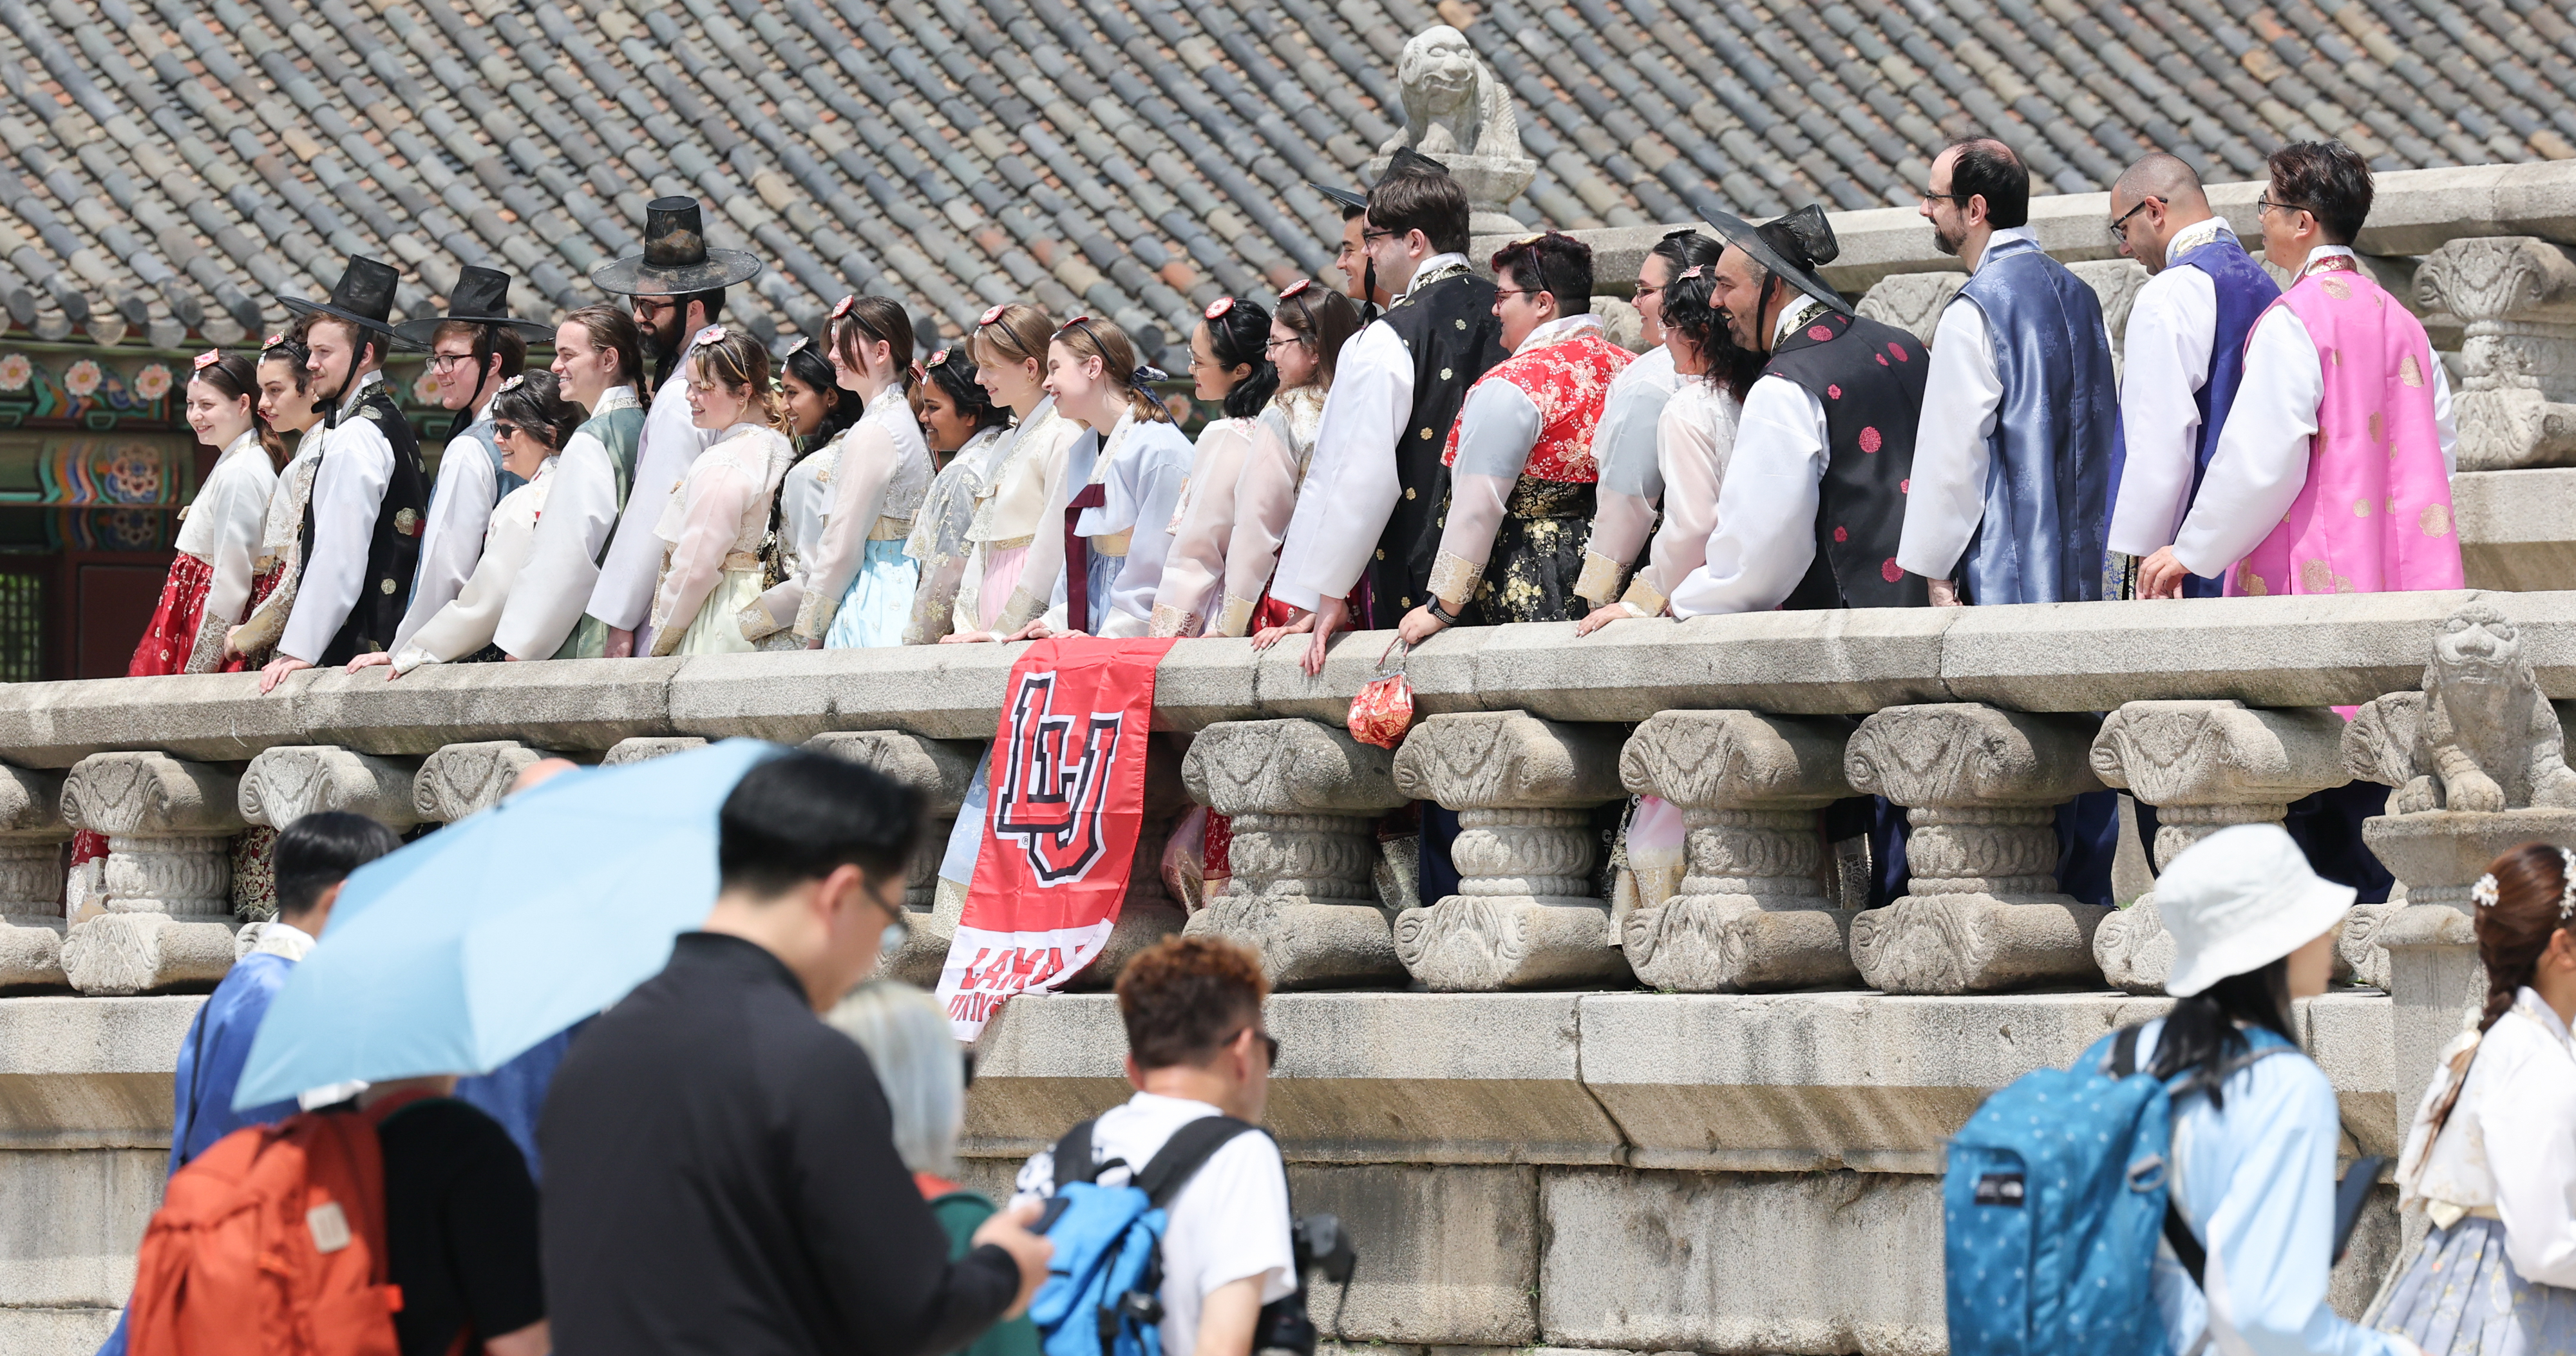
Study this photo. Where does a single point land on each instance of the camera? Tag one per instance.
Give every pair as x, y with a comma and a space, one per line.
1319, 1245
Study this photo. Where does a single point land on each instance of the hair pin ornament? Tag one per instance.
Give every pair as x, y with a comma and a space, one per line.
517, 380
842, 307
712, 334
2483, 894
992, 314
2566, 885
1298, 288
1217, 309
208, 359
1691, 272
940, 359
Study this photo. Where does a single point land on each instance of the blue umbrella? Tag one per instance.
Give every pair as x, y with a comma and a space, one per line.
461, 950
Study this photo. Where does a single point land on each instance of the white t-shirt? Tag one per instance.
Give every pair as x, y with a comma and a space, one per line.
1229, 1222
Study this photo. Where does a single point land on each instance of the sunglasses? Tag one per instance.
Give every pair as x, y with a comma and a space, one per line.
503, 428
1269, 1043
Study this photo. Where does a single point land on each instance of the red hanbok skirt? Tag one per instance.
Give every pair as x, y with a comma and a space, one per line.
167, 642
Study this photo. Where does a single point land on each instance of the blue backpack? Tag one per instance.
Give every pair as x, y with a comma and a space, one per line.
1100, 1297
2053, 1200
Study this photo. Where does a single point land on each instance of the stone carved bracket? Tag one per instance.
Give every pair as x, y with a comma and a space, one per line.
1969, 754
2498, 278
151, 793
1289, 767
2174, 753
286, 783
1737, 760
31, 804
1508, 759
461, 779
939, 769
646, 748
1912, 302
2517, 295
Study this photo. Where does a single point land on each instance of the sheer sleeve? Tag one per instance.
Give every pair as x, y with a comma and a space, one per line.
1631, 486
1496, 430
710, 516
859, 483
1694, 438
1042, 571
1195, 567
1265, 498
470, 619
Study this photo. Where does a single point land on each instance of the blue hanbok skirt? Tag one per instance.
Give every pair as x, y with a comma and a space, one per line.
879, 601
2460, 1296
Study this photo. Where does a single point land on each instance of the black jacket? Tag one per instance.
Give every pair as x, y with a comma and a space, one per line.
721, 1177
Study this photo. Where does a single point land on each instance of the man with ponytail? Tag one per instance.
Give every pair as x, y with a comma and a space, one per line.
2491, 1160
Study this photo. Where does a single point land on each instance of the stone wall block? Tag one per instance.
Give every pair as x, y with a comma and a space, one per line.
1982, 909
1447, 1255
286, 783
2206, 765
168, 874
2517, 297
939, 771
645, 748
461, 779
31, 877
1303, 797
1753, 912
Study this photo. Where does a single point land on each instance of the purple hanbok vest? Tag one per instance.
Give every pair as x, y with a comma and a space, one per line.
2244, 292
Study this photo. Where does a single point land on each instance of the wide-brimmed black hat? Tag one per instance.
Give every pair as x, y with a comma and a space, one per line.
365, 297
482, 297
676, 260
1407, 160
1792, 247
1347, 197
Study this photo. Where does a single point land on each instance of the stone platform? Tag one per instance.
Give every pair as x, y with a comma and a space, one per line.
1635, 1171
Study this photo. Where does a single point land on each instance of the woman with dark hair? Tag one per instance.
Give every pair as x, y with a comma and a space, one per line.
714, 524
1306, 338
2255, 1125
858, 584
1229, 362
532, 422
211, 578
287, 406
1694, 436
1013, 560
2491, 1160
1624, 447
958, 418
1121, 479
819, 410
821, 413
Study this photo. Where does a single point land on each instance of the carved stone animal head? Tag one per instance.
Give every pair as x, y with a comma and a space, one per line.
1445, 93
2477, 646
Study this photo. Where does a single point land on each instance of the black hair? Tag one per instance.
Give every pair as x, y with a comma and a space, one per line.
1988, 168
1690, 310
534, 401
806, 363
319, 851
713, 299
801, 815
288, 348
1554, 263
953, 372
2202, 1032
1323, 320
1241, 338
1686, 249
2327, 178
1418, 200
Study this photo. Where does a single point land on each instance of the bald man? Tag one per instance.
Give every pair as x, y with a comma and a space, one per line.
2186, 351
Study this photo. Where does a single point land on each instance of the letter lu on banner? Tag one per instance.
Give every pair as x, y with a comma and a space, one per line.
1066, 800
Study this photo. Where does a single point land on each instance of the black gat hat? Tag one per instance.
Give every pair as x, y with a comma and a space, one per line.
1791, 247
364, 297
481, 297
676, 260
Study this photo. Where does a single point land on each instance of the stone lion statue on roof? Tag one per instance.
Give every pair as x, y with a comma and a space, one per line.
1453, 105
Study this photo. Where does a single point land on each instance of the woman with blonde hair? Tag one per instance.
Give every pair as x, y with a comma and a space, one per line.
1012, 561
713, 528
923, 1071
2491, 1161
1121, 480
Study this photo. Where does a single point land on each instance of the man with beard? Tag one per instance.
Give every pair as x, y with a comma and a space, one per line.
2185, 354
474, 348
2012, 459
678, 288
362, 525
1814, 495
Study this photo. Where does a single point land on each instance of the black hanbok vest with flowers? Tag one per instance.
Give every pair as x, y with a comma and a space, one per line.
1870, 379
393, 550
1448, 326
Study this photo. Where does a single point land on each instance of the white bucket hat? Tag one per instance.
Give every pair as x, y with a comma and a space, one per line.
2239, 900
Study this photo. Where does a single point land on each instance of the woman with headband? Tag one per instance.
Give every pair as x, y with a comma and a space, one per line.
856, 582
1120, 483
531, 422
1306, 338
1009, 348
713, 526
1229, 362
820, 414
210, 581
287, 406
1624, 445
960, 420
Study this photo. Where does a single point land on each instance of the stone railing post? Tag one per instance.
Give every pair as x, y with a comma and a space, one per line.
940, 772
2517, 297
169, 826
2204, 765
460, 779
286, 783
31, 877
1981, 787
1304, 798
1754, 912
1524, 915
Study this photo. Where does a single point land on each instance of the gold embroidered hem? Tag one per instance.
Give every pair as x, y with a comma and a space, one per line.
890, 529
1022, 609
1112, 544
1171, 621
1600, 580
1453, 580
1236, 619
1008, 544
1645, 597
755, 620
814, 615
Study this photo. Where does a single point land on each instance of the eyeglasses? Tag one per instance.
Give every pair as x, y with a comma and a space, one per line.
1369, 235
1277, 344
1645, 291
440, 362
2119, 226
1929, 196
2262, 205
1502, 292
1269, 1042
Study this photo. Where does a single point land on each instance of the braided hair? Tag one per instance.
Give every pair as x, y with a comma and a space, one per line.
1691, 311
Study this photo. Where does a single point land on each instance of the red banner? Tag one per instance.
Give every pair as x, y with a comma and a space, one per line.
1065, 798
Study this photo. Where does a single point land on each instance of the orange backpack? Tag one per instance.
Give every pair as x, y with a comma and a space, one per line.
272, 1243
